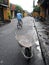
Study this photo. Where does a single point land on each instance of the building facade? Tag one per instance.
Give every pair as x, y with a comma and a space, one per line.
25, 13
13, 10
4, 10
44, 6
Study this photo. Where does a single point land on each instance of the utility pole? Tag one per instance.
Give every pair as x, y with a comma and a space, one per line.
33, 3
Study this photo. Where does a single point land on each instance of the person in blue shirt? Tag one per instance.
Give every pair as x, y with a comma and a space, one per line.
19, 17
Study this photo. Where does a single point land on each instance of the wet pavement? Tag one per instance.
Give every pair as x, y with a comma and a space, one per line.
43, 33
10, 53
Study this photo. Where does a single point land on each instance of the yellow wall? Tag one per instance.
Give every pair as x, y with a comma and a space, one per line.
35, 14
5, 14
42, 12
6, 11
25, 14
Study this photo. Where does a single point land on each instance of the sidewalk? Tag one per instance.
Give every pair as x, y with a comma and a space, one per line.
43, 34
2, 23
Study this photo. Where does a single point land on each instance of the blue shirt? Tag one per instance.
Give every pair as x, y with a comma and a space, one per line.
19, 16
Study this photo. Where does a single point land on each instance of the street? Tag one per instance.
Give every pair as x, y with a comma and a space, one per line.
10, 53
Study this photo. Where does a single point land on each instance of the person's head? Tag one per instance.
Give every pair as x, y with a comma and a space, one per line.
18, 11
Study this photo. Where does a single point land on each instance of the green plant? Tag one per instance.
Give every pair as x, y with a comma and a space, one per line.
36, 9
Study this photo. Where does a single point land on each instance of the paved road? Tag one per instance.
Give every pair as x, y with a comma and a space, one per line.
10, 53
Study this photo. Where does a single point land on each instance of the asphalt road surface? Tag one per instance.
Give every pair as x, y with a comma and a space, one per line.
10, 53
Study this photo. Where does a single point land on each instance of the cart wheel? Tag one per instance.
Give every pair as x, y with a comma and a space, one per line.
28, 52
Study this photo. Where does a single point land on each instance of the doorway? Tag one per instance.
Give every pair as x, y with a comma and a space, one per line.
1, 14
